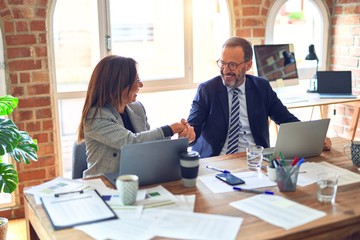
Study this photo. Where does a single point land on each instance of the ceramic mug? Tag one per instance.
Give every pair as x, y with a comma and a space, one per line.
127, 186
354, 152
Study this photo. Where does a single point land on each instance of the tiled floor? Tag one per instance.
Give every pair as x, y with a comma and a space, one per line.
16, 229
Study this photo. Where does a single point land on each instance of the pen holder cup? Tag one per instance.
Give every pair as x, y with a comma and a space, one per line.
286, 178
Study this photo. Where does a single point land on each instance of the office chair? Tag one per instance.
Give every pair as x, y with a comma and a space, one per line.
79, 164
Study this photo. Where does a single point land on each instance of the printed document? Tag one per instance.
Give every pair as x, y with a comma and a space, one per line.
168, 224
311, 170
278, 210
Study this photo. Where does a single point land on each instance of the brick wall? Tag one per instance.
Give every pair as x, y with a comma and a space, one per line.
24, 24
345, 54
24, 28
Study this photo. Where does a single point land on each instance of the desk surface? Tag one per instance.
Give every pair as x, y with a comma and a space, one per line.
342, 219
296, 96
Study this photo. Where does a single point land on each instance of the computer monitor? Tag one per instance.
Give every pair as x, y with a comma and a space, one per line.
276, 61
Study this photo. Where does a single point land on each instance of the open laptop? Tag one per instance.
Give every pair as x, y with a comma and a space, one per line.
334, 84
153, 162
300, 139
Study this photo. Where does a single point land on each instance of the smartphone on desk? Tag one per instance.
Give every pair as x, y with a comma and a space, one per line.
229, 178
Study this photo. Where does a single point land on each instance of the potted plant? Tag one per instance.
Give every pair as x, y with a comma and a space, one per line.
14, 143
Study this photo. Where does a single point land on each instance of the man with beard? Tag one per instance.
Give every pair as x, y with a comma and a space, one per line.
210, 114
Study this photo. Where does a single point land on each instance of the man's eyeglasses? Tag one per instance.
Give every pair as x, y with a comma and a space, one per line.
231, 65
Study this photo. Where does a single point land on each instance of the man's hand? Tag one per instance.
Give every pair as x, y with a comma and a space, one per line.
188, 131
327, 144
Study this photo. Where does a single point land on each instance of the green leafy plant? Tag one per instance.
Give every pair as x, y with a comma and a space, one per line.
14, 143
296, 16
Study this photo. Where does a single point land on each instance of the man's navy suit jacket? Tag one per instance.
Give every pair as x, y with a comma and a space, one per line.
209, 114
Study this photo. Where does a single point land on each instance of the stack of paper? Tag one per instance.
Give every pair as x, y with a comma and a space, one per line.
156, 197
56, 186
160, 213
168, 224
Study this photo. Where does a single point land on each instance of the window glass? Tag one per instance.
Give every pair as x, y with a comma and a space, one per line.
210, 31
299, 17
76, 43
151, 35
175, 40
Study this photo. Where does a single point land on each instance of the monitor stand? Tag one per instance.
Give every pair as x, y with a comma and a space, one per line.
284, 82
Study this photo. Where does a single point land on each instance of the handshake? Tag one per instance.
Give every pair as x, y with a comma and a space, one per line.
184, 129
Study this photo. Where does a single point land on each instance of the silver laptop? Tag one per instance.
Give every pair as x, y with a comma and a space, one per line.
300, 139
153, 162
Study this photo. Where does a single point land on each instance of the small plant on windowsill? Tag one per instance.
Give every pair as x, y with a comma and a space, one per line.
15, 143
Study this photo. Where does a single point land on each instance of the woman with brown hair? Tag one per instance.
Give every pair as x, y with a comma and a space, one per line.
112, 118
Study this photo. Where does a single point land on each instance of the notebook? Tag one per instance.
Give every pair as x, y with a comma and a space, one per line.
334, 84
153, 162
300, 139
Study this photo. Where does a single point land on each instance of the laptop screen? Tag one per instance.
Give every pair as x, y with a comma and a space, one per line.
301, 139
153, 161
336, 82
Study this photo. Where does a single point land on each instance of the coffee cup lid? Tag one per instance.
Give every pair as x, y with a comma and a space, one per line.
190, 155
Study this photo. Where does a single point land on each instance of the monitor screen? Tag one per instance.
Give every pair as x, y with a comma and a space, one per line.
275, 61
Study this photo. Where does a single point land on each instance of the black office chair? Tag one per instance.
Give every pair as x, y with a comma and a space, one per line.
79, 164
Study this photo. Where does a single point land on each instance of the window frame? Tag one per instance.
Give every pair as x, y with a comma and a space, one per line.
3, 91
154, 85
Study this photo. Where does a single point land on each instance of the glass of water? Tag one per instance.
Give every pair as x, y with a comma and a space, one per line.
254, 155
327, 186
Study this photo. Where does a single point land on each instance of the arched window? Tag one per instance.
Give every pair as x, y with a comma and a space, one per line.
176, 44
301, 22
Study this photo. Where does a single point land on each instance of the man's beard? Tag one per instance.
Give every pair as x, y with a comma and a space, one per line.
235, 83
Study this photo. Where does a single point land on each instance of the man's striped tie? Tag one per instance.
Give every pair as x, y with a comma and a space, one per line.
234, 125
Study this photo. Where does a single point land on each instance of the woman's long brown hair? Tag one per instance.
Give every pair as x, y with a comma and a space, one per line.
111, 76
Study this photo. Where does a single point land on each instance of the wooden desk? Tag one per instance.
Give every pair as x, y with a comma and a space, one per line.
342, 219
295, 97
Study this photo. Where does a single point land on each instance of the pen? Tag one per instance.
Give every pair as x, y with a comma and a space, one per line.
282, 159
276, 163
297, 166
300, 162
217, 169
295, 161
253, 191
65, 193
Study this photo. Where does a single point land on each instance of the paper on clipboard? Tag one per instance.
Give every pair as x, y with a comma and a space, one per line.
76, 208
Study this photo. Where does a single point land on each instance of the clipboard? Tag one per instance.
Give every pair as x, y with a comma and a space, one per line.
70, 209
